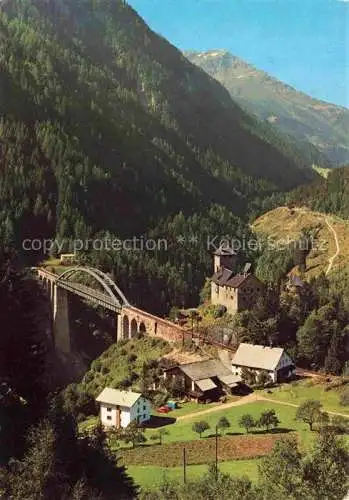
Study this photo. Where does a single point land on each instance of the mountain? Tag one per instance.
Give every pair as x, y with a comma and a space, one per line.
106, 126
323, 124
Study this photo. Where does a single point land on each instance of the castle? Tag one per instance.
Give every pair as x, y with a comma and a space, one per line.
236, 291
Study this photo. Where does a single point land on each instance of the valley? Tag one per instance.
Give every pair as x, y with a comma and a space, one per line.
174, 272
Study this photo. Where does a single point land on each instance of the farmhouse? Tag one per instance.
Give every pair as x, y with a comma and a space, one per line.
235, 291
120, 408
204, 380
67, 259
273, 360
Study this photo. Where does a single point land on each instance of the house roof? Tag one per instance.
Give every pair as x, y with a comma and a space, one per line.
225, 251
296, 281
225, 277
116, 397
205, 369
257, 356
230, 380
206, 384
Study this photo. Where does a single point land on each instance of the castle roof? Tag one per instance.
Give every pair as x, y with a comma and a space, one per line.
226, 277
222, 250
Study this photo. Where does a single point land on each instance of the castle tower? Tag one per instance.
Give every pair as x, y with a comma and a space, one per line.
225, 257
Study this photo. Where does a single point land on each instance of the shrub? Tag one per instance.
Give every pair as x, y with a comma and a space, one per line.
223, 423
105, 370
88, 378
96, 365
133, 376
219, 311
124, 383
268, 419
340, 424
200, 427
247, 422
131, 358
344, 397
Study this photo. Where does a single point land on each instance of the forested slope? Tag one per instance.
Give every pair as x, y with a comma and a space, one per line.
105, 125
326, 195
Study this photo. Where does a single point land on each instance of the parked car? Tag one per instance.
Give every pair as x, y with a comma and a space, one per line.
163, 409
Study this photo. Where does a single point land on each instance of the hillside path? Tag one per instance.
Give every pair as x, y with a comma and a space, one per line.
262, 398
331, 259
251, 398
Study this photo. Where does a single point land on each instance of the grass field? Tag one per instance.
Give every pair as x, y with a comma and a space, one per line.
324, 172
298, 392
182, 430
148, 477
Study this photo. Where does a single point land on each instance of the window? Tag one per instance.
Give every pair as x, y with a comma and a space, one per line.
108, 409
108, 417
144, 407
144, 416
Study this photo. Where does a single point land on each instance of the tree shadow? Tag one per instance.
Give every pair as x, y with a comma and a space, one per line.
315, 266
156, 422
221, 435
276, 430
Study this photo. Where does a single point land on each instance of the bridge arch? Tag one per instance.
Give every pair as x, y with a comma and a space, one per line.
134, 328
103, 279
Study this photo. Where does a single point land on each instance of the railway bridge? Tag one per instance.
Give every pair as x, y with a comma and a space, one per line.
129, 320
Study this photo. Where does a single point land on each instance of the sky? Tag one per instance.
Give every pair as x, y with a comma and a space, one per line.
304, 43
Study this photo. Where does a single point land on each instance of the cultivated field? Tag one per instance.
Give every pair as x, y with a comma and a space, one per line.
202, 451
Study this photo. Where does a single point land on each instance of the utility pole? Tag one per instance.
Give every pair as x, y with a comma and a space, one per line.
184, 466
216, 469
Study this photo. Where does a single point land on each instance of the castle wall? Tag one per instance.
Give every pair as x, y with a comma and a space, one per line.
237, 299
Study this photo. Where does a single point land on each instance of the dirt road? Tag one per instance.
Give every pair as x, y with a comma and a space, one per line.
331, 259
251, 398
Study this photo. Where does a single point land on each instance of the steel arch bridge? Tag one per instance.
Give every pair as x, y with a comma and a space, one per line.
111, 297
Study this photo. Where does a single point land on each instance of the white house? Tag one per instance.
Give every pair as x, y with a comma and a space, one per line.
120, 408
273, 360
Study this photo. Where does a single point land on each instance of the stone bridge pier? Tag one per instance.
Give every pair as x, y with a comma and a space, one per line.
61, 330
60, 308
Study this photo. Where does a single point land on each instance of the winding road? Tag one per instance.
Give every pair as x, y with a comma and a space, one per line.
331, 259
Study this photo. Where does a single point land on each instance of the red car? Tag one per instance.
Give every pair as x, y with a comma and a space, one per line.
163, 409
